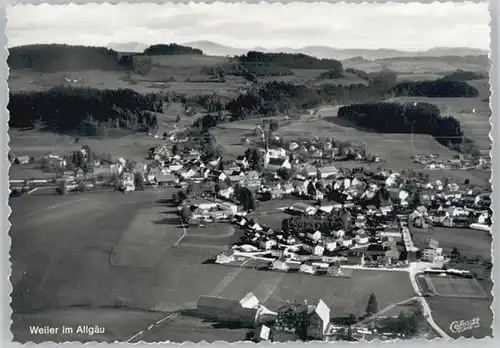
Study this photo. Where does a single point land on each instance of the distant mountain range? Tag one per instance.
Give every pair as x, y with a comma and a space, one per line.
215, 49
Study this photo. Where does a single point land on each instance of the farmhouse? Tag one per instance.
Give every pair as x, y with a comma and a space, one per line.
326, 172
227, 310
318, 321
303, 208
274, 164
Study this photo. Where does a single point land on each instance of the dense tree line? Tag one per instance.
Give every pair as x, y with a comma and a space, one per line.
292, 60
171, 49
423, 118
331, 74
85, 110
359, 73
462, 75
56, 57
436, 89
278, 97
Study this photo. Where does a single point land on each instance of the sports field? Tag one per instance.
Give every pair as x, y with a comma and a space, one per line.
450, 286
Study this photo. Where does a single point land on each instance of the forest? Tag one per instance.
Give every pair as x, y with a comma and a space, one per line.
85, 111
422, 118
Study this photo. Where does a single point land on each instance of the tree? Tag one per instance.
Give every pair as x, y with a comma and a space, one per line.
139, 180
185, 213
284, 173
246, 198
62, 187
273, 126
266, 196
175, 149
416, 199
178, 118
455, 254
372, 306
82, 187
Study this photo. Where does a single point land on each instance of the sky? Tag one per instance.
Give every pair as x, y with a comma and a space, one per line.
410, 27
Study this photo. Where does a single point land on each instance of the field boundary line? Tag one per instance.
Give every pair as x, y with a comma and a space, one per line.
184, 234
152, 326
386, 309
53, 207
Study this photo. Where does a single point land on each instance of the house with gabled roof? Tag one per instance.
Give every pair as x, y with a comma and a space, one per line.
275, 164
318, 321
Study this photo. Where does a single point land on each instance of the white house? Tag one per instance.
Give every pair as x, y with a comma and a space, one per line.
303, 208
362, 239
227, 192
242, 161
267, 244
315, 235
307, 268
331, 245
339, 233
318, 250
277, 153
326, 172
275, 164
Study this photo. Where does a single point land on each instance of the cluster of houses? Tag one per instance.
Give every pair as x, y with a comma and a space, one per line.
373, 240
459, 162
299, 320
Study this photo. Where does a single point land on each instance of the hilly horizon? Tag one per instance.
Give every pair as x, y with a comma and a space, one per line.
216, 49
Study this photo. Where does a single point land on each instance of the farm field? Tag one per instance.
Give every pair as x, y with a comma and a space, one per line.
343, 295
395, 150
35, 143
184, 328
183, 74
110, 319
469, 242
421, 65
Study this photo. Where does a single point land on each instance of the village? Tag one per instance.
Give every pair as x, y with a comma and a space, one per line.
326, 219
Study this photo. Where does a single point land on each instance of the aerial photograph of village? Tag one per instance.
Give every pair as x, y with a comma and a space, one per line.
196, 173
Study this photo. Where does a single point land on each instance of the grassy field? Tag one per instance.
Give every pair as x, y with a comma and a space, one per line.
395, 150
470, 243
343, 295
110, 319
185, 328
447, 310
429, 67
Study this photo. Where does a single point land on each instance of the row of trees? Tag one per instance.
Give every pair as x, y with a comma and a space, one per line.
423, 118
441, 88
84, 110
171, 49
56, 57
292, 60
462, 75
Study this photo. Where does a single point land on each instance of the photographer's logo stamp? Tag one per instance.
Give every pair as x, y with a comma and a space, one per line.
461, 326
